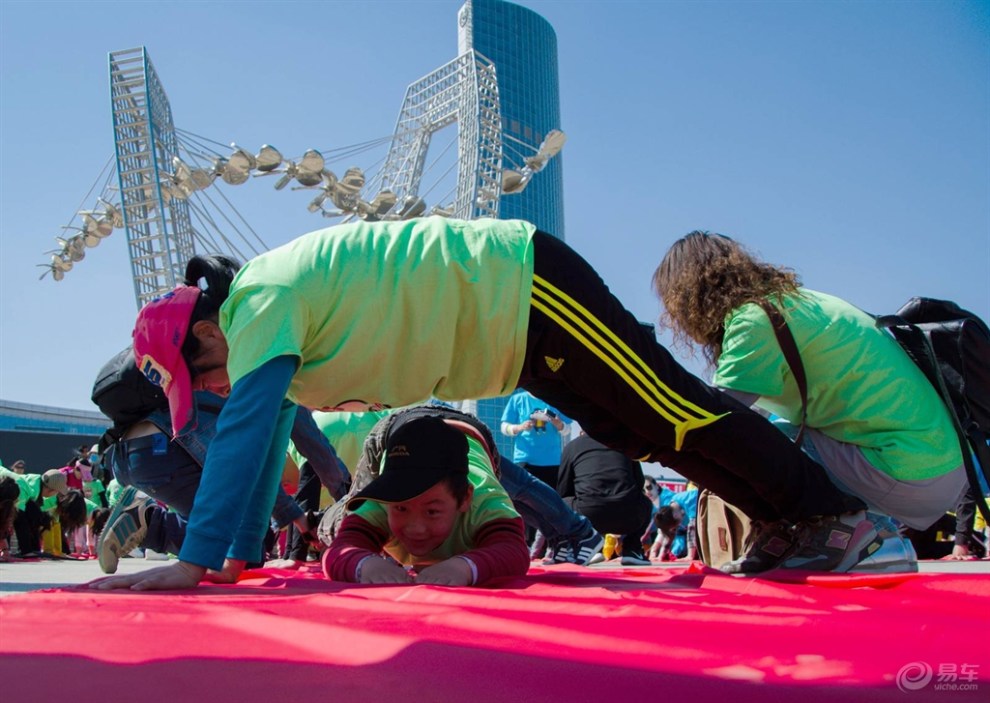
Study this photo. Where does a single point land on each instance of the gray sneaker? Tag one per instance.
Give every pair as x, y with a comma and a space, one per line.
125, 529
896, 553
834, 543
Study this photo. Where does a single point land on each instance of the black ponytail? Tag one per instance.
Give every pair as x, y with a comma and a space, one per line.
71, 509
212, 275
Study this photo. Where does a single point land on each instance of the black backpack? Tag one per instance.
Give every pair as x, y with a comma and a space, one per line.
952, 347
125, 395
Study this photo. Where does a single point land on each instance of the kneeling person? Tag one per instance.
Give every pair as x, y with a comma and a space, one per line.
436, 514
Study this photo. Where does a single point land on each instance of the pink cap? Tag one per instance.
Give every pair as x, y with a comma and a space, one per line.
159, 332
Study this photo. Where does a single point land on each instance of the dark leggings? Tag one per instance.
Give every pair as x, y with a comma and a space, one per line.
308, 497
27, 527
589, 356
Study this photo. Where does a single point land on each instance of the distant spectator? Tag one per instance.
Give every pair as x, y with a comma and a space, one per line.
676, 528
536, 429
659, 496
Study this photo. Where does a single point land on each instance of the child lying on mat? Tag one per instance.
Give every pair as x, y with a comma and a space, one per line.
436, 514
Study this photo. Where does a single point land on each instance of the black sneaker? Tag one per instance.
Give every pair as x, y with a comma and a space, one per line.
579, 551
769, 543
635, 559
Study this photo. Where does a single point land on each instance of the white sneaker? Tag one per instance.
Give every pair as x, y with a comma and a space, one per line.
152, 555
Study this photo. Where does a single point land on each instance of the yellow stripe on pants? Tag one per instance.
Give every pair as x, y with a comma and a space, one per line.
594, 335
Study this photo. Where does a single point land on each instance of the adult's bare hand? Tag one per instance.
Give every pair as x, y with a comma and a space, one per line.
175, 576
232, 568
960, 552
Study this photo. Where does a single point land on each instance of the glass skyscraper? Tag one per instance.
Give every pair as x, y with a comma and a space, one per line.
523, 47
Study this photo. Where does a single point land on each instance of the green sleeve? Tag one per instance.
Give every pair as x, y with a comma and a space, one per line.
751, 360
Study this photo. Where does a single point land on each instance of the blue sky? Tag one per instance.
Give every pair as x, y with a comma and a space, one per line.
848, 140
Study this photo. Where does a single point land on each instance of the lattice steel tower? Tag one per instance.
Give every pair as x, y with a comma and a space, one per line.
464, 91
159, 230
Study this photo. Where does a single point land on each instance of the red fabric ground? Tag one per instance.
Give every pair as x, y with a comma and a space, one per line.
560, 634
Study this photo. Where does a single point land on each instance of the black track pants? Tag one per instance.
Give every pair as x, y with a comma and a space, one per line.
590, 357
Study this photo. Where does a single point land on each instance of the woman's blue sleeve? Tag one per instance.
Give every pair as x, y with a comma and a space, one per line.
243, 469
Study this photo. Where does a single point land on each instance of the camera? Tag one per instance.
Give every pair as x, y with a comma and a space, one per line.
541, 417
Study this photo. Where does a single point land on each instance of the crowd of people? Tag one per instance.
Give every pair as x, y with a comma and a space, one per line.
59, 511
236, 360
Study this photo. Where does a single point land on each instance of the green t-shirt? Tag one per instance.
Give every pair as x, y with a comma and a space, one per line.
28, 484
96, 487
490, 502
346, 432
388, 314
862, 388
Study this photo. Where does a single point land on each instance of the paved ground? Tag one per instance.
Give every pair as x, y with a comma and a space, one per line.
21, 577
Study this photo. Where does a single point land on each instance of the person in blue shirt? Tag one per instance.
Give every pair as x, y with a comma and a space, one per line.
536, 429
677, 532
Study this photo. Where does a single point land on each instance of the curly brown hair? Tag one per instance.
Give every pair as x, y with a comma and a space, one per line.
705, 276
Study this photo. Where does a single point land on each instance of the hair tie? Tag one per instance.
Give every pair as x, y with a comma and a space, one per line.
202, 283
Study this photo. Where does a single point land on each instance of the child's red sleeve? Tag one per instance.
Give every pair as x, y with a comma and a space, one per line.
501, 549
356, 539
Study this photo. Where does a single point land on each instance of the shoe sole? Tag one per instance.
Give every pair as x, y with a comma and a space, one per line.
891, 567
903, 560
108, 557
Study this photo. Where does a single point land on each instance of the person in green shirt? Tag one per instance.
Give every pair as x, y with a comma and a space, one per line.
36, 495
9, 493
873, 419
370, 315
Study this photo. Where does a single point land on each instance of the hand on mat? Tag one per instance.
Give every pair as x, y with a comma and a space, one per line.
960, 552
383, 571
291, 564
232, 568
175, 576
449, 572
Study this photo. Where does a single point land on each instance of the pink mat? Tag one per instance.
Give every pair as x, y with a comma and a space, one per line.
560, 634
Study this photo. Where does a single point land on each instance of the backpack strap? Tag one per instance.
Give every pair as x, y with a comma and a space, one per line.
792, 356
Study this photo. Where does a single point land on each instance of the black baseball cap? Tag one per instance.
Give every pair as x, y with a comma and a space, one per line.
418, 455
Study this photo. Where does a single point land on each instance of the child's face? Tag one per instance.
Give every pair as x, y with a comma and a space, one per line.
423, 523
